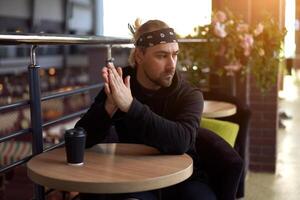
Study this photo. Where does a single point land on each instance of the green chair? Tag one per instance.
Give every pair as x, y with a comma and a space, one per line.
226, 130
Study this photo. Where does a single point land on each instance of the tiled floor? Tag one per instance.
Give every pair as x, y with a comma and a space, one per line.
285, 183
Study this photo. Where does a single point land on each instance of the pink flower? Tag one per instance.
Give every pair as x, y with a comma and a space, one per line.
219, 30
242, 27
247, 43
219, 16
259, 29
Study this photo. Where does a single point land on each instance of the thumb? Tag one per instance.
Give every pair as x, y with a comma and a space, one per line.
127, 81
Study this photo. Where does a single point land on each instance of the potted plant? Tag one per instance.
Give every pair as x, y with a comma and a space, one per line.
232, 46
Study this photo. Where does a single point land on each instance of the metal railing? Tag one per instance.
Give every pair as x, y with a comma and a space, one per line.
56, 39
35, 92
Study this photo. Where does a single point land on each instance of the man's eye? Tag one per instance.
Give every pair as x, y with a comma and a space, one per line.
161, 56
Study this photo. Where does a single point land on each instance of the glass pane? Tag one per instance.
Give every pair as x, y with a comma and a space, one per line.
183, 16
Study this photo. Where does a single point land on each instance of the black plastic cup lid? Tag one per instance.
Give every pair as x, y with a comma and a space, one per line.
75, 132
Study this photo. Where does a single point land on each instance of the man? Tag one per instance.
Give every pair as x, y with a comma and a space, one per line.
150, 104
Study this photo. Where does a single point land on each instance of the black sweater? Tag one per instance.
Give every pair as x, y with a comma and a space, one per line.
167, 119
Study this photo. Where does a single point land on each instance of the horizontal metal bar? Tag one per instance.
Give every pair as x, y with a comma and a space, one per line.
54, 146
75, 91
14, 134
63, 39
15, 164
56, 39
26, 159
14, 105
187, 40
70, 116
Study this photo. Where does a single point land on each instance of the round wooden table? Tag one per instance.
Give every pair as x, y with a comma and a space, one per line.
111, 168
215, 109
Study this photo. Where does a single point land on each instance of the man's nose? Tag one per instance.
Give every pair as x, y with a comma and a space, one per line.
172, 62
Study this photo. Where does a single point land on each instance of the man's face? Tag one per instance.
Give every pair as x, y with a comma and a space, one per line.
156, 65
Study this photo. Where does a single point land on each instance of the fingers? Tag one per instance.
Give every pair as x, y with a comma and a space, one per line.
127, 81
113, 83
120, 72
106, 89
110, 65
113, 77
104, 74
112, 68
104, 70
117, 72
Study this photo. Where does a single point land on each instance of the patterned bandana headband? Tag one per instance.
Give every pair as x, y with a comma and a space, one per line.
161, 36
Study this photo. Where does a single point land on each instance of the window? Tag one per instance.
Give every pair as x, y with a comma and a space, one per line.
290, 21
183, 16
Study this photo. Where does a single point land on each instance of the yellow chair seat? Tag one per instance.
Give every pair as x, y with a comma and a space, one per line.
227, 130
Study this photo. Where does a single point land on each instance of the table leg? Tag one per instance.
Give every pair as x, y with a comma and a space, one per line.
159, 196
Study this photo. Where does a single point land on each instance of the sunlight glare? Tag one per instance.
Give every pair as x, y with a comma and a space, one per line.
290, 21
289, 91
182, 16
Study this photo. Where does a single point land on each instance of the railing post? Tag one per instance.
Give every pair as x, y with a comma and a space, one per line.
109, 54
35, 113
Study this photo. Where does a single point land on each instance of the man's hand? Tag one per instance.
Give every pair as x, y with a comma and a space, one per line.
110, 105
119, 90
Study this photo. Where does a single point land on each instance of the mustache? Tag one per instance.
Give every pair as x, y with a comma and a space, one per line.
170, 72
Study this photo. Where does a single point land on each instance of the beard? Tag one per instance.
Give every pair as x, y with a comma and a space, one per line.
164, 80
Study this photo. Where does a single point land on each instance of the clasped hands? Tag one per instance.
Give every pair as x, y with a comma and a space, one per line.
117, 90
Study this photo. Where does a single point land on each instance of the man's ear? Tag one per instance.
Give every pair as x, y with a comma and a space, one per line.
139, 56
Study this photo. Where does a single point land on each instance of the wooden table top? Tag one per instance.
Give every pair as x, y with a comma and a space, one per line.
111, 168
215, 109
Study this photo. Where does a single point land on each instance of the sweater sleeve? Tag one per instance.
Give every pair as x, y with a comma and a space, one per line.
96, 121
174, 136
